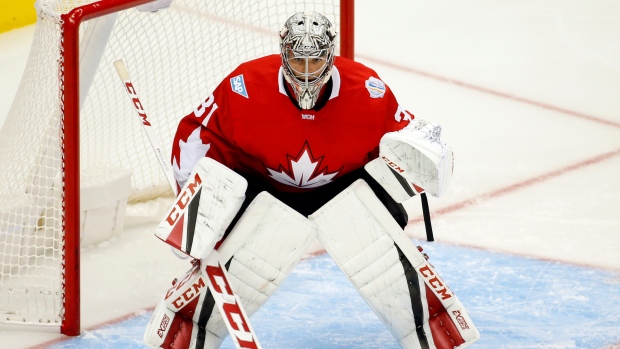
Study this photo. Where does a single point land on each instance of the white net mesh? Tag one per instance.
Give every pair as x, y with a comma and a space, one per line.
175, 57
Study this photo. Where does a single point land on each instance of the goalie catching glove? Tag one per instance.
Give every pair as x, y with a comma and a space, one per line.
219, 192
418, 155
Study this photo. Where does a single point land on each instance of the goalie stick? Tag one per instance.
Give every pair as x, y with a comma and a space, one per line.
217, 278
146, 124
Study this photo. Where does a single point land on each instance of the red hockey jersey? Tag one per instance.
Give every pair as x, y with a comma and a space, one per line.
252, 125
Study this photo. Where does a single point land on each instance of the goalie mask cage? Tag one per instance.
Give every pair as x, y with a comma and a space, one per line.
71, 119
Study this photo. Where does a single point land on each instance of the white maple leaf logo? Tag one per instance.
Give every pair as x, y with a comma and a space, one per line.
190, 152
303, 171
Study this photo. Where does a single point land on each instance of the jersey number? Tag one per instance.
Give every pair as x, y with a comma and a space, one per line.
207, 104
402, 114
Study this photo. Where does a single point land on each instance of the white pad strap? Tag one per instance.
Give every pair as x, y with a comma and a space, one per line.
389, 271
417, 153
204, 209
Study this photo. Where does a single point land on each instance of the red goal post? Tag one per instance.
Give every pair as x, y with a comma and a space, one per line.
83, 117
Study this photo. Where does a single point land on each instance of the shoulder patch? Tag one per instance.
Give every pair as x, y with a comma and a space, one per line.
238, 85
376, 87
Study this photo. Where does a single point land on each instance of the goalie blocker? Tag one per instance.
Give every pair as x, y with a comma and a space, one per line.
196, 222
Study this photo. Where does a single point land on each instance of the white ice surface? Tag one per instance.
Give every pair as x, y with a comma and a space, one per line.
528, 179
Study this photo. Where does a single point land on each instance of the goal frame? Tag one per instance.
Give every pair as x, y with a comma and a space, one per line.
70, 145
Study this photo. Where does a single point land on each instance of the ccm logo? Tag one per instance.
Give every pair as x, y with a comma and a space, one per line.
163, 325
240, 325
435, 282
393, 165
190, 292
184, 198
460, 319
136, 103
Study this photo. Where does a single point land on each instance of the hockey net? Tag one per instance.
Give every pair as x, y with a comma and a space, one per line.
176, 56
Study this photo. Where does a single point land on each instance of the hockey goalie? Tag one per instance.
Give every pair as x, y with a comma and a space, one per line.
287, 149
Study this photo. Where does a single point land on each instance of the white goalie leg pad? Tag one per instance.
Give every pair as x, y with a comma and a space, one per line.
417, 153
267, 242
204, 209
261, 251
390, 273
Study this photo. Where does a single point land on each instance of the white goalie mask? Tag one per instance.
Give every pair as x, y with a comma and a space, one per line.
307, 51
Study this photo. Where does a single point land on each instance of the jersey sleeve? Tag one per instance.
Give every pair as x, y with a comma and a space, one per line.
393, 116
396, 117
201, 133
